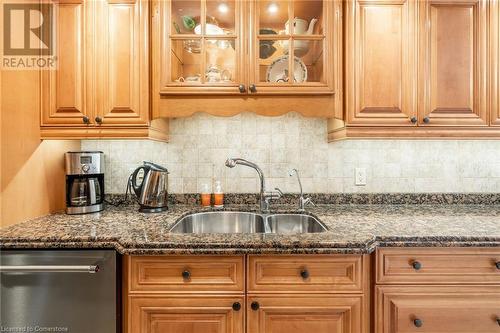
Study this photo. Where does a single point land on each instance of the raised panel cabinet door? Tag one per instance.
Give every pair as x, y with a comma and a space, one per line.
380, 62
300, 314
180, 314
437, 309
453, 65
494, 78
65, 97
122, 62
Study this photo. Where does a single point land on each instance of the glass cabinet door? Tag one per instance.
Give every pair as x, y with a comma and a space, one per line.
201, 46
290, 52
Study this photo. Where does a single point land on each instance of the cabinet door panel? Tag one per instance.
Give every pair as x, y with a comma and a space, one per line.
494, 83
63, 93
170, 314
305, 314
437, 309
380, 62
453, 67
122, 62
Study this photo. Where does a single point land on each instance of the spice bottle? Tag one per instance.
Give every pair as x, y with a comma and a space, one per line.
205, 195
218, 195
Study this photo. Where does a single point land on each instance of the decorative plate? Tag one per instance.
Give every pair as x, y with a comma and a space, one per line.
278, 70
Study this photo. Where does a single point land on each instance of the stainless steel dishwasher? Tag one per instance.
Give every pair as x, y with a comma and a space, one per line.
59, 291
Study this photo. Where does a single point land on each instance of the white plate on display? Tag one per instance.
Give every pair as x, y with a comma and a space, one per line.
278, 70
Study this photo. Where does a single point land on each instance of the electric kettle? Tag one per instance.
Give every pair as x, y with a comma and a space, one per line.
152, 192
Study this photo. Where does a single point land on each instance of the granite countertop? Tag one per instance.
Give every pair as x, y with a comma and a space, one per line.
351, 229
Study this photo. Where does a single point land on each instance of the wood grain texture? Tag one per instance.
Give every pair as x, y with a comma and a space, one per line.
327, 274
208, 274
32, 176
186, 314
453, 67
123, 66
441, 309
65, 92
380, 62
438, 266
494, 56
299, 314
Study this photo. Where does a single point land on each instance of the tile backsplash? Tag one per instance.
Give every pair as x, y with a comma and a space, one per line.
199, 145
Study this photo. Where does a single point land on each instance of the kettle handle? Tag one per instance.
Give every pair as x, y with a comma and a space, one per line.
133, 179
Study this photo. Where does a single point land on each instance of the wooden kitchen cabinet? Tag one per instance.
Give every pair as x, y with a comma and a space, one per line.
438, 309
101, 86
435, 78
299, 314
380, 62
193, 314
238, 57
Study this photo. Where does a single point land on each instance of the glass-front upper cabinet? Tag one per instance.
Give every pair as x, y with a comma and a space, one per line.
245, 46
200, 46
292, 46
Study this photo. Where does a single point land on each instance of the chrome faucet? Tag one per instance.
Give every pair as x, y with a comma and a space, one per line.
265, 196
303, 202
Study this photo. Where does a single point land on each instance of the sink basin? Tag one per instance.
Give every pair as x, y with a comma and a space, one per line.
246, 223
294, 224
220, 223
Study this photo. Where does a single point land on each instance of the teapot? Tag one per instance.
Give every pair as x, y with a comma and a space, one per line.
300, 27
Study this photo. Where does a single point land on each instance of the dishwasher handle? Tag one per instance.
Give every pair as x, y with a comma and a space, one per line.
50, 269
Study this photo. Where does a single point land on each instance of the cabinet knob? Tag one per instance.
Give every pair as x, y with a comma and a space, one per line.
304, 273
236, 306
418, 322
416, 265
255, 306
86, 120
497, 264
413, 120
427, 120
98, 120
252, 88
242, 88
186, 274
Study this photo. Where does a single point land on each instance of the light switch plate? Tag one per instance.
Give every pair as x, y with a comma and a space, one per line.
360, 176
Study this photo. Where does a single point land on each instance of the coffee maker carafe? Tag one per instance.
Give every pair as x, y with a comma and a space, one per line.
84, 182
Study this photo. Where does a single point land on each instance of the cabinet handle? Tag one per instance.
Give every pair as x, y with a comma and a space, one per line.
255, 306
86, 120
413, 120
418, 322
416, 265
242, 88
427, 120
98, 120
236, 306
497, 264
253, 88
304, 273
186, 274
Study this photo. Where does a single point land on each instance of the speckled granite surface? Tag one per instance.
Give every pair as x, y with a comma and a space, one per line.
351, 229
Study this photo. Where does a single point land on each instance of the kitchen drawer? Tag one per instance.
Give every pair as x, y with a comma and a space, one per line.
307, 273
186, 274
438, 266
437, 309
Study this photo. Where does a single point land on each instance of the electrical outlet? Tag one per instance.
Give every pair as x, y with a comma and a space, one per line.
360, 176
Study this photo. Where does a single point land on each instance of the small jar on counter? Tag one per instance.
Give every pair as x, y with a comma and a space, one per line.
206, 196
218, 195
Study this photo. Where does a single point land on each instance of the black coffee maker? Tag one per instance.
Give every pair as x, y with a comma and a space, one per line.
84, 182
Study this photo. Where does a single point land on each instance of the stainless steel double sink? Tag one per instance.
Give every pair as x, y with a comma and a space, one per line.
230, 222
